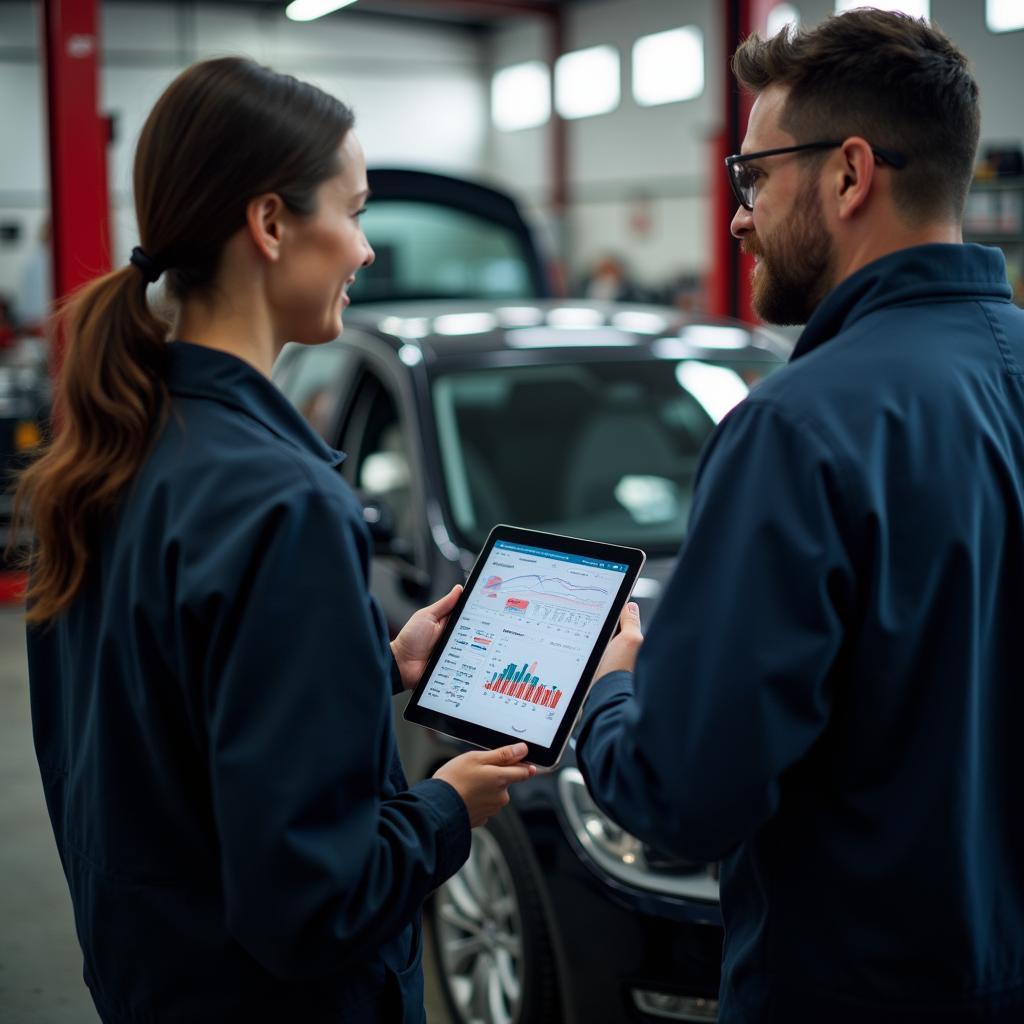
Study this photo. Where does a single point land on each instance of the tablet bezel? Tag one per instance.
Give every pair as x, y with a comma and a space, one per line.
481, 736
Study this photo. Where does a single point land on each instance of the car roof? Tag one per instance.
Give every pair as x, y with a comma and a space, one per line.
460, 331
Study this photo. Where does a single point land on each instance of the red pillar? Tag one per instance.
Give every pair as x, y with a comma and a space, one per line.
729, 280
79, 201
559, 136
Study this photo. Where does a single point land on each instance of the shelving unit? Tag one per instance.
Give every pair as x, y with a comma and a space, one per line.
995, 216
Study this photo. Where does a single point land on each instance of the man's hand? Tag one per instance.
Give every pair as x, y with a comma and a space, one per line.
620, 655
414, 643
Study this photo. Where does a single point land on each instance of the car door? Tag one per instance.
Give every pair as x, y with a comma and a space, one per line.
384, 467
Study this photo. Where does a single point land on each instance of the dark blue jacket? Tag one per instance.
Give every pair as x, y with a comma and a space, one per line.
212, 719
831, 694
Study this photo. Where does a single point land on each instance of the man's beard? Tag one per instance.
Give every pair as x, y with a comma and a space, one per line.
795, 272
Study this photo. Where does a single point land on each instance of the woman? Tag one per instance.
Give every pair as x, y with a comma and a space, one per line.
210, 678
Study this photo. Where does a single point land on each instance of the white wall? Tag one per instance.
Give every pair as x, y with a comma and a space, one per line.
656, 158
421, 98
419, 92
662, 152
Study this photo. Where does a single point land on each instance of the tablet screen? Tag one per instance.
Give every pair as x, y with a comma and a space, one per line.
527, 630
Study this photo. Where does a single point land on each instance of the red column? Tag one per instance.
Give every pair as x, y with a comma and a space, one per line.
79, 201
729, 280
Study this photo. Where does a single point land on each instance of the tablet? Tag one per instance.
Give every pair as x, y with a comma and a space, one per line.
520, 648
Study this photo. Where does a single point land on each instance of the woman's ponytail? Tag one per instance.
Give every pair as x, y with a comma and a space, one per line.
111, 400
224, 131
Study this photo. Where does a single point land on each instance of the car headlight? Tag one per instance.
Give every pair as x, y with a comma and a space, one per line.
624, 856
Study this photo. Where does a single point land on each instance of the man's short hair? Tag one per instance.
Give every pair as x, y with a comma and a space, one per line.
894, 80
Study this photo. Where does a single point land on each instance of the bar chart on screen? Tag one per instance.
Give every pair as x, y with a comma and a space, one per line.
519, 683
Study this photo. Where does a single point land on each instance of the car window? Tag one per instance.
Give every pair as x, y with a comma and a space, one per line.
603, 450
379, 462
308, 375
430, 251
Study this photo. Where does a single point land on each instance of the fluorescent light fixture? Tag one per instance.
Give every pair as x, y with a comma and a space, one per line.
310, 10
668, 66
587, 82
465, 323
520, 316
712, 336
1004, 15
521, 96
641, 322
782, 16
572, 316
554, 337
718, 389
915, 8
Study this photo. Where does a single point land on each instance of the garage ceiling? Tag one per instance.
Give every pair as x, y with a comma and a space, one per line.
479, 13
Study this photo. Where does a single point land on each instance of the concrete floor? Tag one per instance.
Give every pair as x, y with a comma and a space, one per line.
40, 962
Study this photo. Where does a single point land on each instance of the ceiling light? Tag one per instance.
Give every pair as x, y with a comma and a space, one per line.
310, 10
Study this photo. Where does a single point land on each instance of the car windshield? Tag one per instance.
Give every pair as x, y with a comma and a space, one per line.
426, 251
603, 450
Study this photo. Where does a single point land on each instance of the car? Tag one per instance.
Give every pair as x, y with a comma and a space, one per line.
466, 396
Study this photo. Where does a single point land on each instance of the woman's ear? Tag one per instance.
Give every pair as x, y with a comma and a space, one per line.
264, 220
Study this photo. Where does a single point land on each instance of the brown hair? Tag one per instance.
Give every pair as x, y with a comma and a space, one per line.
894, 80
224, 131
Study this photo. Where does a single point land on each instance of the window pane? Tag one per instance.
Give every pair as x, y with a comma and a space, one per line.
915, 8
782, 16
668, 66
427, 251
1004, 15
587, 82
521, 96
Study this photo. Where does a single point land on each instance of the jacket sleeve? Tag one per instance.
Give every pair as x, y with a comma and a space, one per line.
730, 686
318, 866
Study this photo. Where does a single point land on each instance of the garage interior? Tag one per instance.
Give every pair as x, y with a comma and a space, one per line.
618, 173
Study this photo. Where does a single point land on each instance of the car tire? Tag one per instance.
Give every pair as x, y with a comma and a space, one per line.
491, 941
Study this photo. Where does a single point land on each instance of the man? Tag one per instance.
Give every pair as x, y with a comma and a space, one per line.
830, 699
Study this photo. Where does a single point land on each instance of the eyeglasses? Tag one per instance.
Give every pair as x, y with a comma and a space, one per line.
744, 179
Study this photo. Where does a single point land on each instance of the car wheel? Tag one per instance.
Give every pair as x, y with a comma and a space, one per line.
491, 940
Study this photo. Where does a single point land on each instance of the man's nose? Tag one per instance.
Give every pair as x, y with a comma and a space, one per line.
742, 222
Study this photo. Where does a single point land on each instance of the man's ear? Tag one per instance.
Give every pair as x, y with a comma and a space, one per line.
854, 178
264, 220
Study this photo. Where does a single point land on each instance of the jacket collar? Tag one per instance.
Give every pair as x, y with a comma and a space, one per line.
937, 271
196, 371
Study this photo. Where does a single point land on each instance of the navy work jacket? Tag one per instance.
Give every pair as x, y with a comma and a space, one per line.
830, 697
212, 718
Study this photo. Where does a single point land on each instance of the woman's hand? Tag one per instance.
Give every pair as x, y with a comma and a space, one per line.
414, 643
482, 778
